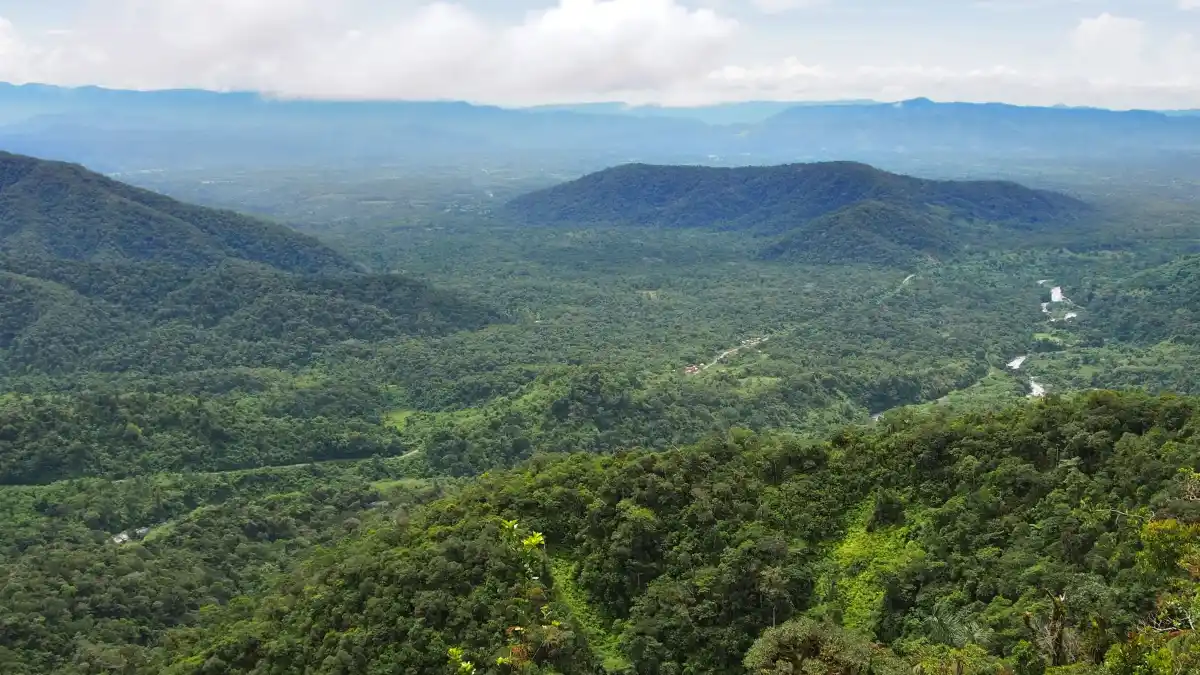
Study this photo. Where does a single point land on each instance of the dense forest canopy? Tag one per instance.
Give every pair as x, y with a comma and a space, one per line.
101, 276
57, 210
832, 212
806, 419
774, 197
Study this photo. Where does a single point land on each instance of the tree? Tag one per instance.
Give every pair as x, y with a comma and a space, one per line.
805, 646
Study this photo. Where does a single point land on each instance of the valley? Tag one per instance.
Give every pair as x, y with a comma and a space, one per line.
653, 418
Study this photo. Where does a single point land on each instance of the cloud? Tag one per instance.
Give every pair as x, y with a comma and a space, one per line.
438, 50
777, 6
1109, 47
792, 79
1189, 4
640, 51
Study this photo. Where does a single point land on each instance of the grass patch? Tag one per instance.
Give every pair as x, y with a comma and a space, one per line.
398, 419
863, 560
401, 484
602, 642
158, 532
997, 388
754, 385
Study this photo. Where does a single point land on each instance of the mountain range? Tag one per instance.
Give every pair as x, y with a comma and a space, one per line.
114, 130
820, 212
98, 274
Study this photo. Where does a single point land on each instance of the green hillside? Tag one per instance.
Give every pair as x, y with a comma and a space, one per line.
871, 232
841, 427
101, 276
58, 210
1155, 305
774, 198
928, 544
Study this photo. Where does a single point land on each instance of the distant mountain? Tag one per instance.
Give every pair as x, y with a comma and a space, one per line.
923, 128
836, 211
114, 131
739, 113
118, 130
98, 275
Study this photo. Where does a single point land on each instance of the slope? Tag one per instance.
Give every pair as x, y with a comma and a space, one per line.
1155, 305
829, 212
870, 232
773, 198
945, 539
59, 210
98, 275
131, 130
941, 130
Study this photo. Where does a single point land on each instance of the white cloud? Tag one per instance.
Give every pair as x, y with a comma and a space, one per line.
777, 6
438, 50
576, 50
1109, 47
1189, 4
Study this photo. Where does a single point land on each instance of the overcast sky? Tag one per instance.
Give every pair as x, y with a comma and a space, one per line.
1114, 53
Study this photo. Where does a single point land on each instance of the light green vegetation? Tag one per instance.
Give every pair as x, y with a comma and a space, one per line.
603, 642
864, 560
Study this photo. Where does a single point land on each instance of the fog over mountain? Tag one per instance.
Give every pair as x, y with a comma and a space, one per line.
115, 130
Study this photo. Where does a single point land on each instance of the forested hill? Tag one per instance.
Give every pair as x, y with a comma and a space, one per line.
777, 197
1155, 305
96, 275
58, 210
870, 232
1052, 538
835, 212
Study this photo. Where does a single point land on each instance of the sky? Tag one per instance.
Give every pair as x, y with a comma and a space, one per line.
1109, 53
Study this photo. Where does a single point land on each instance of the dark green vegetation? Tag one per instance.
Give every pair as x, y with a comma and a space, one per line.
99, 276
1040, 536
63, 211
774, 197
1156, 305
1018, 541
828, 213
472, 445
77, 599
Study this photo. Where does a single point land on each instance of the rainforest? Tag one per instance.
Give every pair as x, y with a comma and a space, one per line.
671, 419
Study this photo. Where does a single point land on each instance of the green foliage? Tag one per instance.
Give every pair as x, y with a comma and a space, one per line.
690, 555
63, 211
803, 646
831, 213
49, 438
772, 197
631, 517
866, 562
872, 232
1153, 306
403, 599
64, 316
594, 627
96, 275
77, 598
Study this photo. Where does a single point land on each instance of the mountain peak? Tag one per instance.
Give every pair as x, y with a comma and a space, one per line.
854, 211
59, 210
